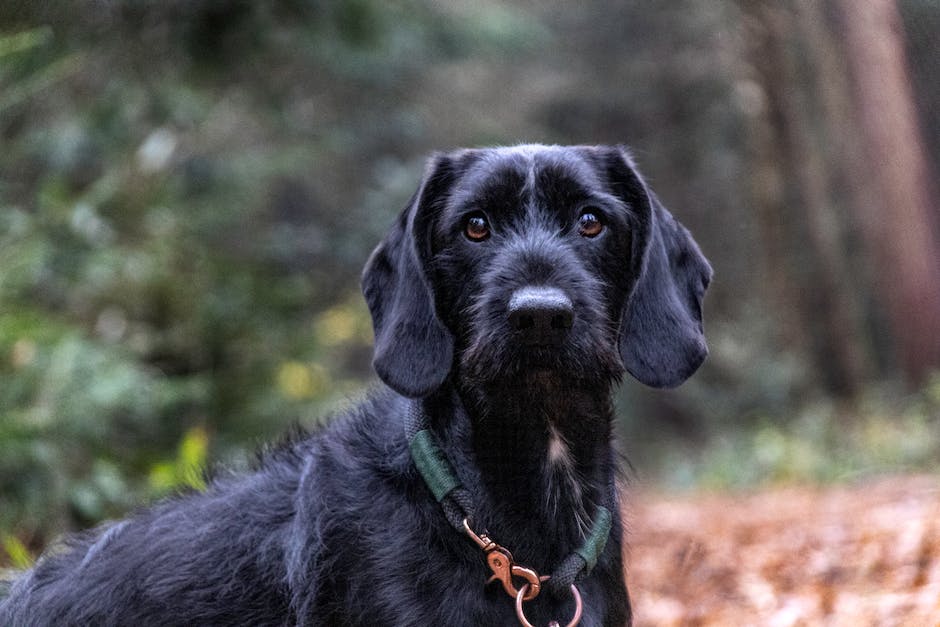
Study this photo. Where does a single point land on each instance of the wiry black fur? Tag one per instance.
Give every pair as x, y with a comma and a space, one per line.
338, 528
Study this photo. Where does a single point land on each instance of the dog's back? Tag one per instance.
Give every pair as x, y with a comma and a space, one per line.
213, 558
229, 555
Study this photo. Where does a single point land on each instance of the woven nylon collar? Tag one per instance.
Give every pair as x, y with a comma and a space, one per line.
457, 502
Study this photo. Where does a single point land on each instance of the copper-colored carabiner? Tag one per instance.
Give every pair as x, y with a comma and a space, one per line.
483, 541
500, 561
504, 569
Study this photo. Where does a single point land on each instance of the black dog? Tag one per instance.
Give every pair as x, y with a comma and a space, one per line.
507, 300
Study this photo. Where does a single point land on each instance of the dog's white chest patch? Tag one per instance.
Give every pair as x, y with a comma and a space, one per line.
565, 484
558, 452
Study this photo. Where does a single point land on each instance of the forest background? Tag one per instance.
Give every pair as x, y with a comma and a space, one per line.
189, 189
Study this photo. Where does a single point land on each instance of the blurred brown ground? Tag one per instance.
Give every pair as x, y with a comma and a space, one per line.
867, 554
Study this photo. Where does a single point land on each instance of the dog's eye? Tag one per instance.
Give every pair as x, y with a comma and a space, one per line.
477, 228
589, 225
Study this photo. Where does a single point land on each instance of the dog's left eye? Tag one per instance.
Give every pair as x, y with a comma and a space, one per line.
477, 228
589, 224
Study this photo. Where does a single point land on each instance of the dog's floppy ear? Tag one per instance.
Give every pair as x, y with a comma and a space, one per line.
662, 341
413, 348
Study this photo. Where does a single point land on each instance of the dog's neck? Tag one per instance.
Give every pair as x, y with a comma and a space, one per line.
542, 451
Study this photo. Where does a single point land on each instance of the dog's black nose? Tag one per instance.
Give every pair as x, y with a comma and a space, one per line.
541, 315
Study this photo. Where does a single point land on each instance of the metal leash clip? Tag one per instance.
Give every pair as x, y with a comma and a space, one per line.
500, 561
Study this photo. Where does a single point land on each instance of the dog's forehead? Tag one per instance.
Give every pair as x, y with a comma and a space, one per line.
501, 176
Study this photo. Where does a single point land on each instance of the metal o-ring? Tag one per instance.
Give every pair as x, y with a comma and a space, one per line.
525, 622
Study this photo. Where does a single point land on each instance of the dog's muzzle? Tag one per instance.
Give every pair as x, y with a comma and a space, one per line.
541, 316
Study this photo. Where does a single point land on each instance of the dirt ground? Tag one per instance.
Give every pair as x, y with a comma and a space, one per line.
863, 555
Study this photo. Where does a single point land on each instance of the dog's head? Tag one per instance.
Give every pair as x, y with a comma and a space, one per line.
535, 258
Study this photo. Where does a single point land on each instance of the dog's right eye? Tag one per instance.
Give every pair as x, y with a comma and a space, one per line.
589, 224
477, 228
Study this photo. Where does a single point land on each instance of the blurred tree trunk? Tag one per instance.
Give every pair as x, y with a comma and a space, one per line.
902, 229
794, 132
767, 187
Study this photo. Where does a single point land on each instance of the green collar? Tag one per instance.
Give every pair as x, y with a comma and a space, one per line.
442, 480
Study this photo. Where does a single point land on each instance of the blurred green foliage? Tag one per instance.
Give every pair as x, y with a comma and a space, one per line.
172, 286
17, 552
825, 441
188, 470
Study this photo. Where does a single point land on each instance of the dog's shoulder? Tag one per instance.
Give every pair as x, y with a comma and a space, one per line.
354, 450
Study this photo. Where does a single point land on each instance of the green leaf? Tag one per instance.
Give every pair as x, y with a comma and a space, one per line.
19, 554
191, 461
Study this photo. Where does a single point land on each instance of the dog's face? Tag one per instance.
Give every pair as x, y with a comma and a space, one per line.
529, 249
530, 260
